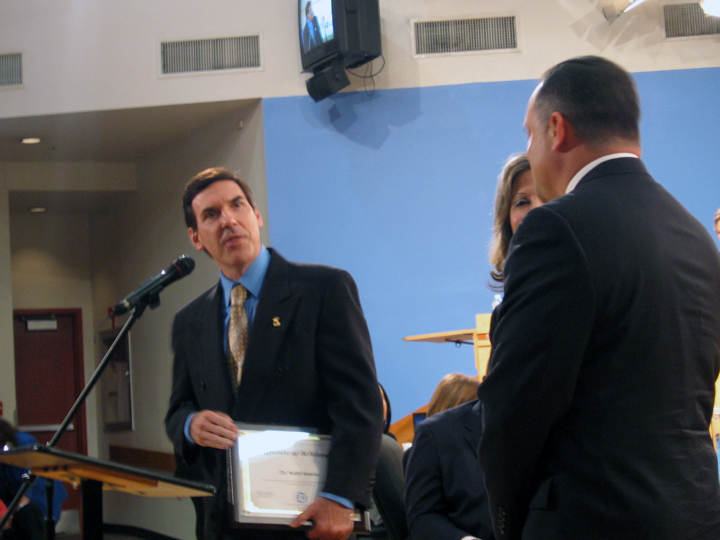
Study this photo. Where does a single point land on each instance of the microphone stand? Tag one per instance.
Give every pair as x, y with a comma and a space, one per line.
153, 300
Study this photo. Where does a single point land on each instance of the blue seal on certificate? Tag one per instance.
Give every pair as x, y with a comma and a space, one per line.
301, 497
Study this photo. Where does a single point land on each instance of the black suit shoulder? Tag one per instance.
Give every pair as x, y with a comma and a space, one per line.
444, 496
625, 282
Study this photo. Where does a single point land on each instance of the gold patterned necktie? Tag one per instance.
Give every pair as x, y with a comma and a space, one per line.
237, 334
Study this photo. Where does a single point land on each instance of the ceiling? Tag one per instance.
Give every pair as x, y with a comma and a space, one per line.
126, 135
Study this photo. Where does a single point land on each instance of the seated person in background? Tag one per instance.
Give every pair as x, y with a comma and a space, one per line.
444, 497
28, 520
442, 500
443, 494
387, 412
453, 390
387, 512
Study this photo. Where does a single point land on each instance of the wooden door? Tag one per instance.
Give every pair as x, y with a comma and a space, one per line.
49, 376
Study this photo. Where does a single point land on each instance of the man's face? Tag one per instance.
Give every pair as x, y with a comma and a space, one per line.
717, 229
310, 14
228, 228
539, 153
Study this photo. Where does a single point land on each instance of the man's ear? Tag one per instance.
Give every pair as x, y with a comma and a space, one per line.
195, 239
556, 129
561, 133
258, 216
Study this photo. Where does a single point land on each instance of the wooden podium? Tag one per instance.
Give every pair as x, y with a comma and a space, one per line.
477, 337
404, 429
94, 475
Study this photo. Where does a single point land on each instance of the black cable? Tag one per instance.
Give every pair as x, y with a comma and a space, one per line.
369, 64
371, 76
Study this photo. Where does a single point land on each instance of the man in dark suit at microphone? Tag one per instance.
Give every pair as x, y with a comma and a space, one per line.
301, 357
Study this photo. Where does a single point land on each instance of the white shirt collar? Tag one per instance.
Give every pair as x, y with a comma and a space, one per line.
590, 166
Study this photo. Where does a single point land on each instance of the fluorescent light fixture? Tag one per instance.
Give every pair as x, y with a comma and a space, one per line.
633, 3
711, 7
613, 9
30, 140
37, 209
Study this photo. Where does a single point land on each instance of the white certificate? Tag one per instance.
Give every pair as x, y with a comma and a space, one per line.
276, 473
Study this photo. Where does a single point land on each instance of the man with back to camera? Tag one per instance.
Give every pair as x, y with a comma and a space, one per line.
308, 361
606, 346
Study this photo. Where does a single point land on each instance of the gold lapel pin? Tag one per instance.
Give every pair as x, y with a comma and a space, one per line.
276, 321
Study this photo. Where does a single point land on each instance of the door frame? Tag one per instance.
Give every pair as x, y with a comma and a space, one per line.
78, 363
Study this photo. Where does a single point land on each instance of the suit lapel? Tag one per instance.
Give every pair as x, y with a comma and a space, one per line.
273, 319
208, 337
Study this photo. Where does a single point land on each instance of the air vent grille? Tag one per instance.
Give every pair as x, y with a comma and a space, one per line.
10, 69
211, 54
465, 35
685, 20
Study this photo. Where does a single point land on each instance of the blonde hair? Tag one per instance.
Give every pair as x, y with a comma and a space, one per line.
717, 216
502, 232
454, 389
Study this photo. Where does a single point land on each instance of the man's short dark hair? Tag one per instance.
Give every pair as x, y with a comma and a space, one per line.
596, 96
201, 181
307, 7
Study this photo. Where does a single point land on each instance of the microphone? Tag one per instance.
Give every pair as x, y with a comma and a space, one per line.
180, 268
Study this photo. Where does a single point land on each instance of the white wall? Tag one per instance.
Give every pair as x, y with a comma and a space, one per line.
83, 56
7, 351
70, 176
45, 258
50, 260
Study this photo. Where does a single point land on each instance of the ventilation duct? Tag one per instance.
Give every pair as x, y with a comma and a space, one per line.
10, 69
210, 54
686, 20
465, 35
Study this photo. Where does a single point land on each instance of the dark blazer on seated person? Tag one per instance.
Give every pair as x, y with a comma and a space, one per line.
444, 498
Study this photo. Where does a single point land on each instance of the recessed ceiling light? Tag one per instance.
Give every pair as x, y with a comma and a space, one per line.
38, 209
30, 140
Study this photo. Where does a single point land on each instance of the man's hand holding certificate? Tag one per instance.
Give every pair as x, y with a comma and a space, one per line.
332, 521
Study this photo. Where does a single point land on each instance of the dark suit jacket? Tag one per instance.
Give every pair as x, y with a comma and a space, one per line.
313, 369
606, 348
444, 497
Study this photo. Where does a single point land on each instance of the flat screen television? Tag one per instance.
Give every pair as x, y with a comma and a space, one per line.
345, 30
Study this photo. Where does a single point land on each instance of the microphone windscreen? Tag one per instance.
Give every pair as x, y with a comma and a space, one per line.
185, 264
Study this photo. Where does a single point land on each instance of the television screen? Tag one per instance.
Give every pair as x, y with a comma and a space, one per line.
338, 31
316, 23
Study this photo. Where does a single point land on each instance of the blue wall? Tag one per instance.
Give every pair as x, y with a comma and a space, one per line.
397, 187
